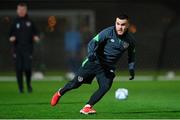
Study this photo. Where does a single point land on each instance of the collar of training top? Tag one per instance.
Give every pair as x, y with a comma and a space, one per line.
25, 17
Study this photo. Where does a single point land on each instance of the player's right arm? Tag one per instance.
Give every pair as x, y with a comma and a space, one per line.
12, 33
95, 42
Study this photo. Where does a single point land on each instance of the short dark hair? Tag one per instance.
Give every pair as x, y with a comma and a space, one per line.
22, 4
123, 16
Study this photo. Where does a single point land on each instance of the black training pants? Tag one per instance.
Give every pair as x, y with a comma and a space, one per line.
86, 74
23, 63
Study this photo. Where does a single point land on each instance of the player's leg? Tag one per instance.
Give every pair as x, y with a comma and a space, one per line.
105, 80
19, 71
28, 70
19, 77
69, 86
28, 80
104, 85
84, 75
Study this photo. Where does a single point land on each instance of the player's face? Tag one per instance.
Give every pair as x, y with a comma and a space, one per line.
121, 26
21, 11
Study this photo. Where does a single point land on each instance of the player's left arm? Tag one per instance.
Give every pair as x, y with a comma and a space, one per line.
35, 32
131, 60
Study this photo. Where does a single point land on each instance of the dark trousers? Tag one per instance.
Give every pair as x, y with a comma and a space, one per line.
86, 74
23, 63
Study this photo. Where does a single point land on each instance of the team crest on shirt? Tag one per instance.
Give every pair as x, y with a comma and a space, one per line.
80, 79
125, 45
28, 24
18, 25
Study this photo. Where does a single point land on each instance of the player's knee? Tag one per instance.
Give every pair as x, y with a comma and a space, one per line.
74, 84
19, 68
27, 68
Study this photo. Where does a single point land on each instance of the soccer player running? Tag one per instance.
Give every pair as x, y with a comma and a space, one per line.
104, 50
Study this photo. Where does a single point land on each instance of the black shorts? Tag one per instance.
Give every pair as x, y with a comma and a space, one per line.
89, 70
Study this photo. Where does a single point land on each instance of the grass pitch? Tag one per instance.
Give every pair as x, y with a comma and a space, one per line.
147, 99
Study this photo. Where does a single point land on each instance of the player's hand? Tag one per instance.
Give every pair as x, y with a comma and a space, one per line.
12, 39
36, 39
132, 74
92, 57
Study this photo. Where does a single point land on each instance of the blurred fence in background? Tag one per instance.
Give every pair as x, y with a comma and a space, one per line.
157, 30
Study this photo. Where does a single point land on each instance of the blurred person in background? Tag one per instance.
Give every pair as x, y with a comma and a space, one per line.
86, 37
23, 34
72, 43
104, 51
